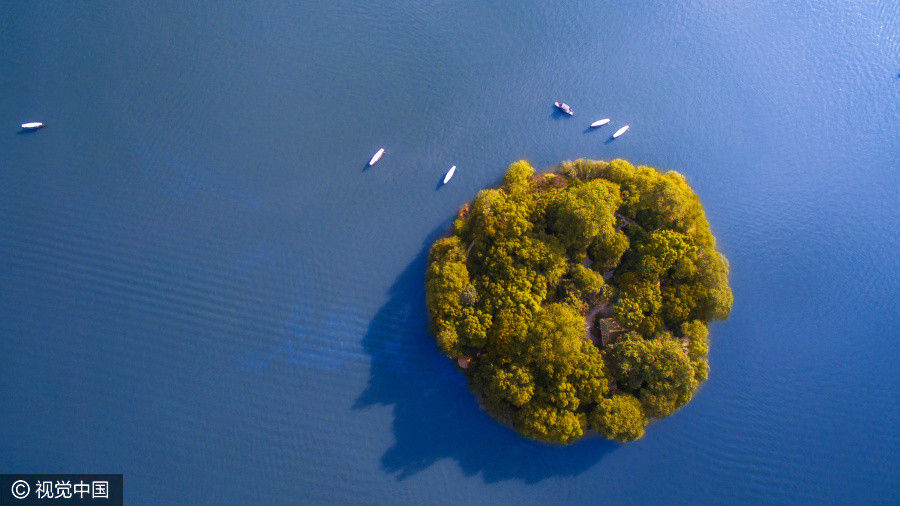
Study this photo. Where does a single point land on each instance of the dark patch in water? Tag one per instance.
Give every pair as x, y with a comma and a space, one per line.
435, 415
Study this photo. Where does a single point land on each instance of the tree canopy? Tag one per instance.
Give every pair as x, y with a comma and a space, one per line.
513, 291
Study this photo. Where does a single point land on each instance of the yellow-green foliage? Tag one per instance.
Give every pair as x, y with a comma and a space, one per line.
656, 370
518, 177
510, 288
584, 212
587, 281
582, 169
619, 417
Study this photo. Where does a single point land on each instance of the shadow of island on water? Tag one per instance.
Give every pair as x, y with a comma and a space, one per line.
436, 417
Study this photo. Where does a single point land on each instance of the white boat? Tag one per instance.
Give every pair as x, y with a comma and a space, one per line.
449, 174
376, 157
34, 125
620, 131
599, 122
564, 107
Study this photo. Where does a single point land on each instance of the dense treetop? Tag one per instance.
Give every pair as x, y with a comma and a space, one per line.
579, 299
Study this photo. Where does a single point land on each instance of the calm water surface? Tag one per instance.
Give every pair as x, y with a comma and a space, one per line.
201, 287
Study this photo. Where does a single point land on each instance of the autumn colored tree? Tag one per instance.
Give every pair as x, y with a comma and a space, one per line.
619, 417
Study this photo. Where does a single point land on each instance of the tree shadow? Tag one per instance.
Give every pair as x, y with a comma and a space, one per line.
435, 415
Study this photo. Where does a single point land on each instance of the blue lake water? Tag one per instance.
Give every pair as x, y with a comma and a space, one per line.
201, 287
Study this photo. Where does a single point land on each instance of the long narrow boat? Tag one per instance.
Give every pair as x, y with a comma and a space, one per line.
377, 156
599, 122
620, 131
34, 125
449, 174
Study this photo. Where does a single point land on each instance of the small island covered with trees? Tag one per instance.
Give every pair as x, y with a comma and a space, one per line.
579, 299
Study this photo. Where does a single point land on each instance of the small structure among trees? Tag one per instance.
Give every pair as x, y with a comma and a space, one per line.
610, 330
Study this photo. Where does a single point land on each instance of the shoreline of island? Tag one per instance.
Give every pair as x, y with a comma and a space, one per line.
578, 299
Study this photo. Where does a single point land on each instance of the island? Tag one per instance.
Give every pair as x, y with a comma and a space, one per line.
578, 300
